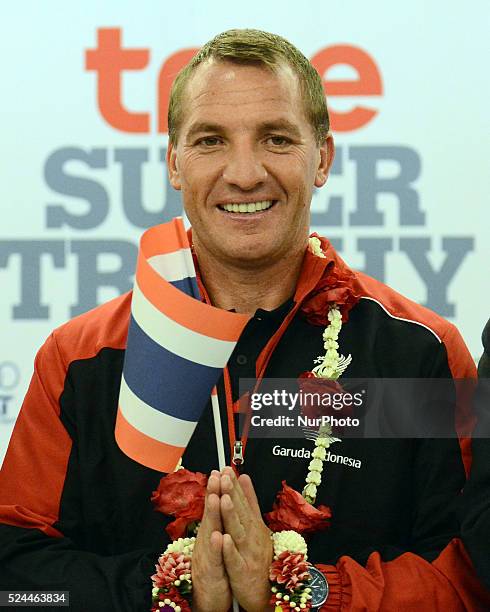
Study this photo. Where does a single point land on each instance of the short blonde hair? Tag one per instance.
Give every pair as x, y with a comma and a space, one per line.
255, 47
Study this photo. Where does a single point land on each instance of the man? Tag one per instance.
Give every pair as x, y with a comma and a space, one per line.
249, 140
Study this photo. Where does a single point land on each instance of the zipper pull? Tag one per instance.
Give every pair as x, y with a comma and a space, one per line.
238, 458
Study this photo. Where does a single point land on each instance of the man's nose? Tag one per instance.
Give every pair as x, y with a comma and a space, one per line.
244, 168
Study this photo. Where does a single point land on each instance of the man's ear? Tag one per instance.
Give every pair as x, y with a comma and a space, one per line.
172, 167
327, 153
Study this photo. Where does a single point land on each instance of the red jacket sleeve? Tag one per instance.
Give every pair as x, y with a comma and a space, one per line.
430, 576
407, 583
34, 555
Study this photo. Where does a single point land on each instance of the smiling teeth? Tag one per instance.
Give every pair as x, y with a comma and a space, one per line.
250, 207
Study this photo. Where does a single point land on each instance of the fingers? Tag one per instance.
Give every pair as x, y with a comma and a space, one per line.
231, 521
249, 580
244, 486
231, 506
247, 487
232, 557
211, 519
213, 485
241, 516
208, 551
210, 583
231, 486
215, 556
213, 514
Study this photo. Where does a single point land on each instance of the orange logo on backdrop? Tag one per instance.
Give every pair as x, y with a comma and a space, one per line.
109, 60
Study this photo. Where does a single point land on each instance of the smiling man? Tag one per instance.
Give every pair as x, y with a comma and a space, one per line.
249, 142
246, 157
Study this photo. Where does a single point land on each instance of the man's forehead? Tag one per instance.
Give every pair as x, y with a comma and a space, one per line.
222, 82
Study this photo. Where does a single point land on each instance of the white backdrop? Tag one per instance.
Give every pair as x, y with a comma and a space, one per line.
405, 201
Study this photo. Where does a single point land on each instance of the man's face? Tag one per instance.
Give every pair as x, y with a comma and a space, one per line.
244, 145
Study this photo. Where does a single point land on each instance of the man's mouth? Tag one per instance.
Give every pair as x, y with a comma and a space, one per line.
249, 207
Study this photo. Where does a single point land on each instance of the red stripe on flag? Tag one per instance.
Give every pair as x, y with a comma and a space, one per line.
165, 238
145, 450
186, 310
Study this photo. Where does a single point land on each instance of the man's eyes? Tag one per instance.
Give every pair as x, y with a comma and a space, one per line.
209, 141
274, 140
278, 141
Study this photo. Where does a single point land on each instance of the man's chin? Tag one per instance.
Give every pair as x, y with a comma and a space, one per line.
244, 252
255, 258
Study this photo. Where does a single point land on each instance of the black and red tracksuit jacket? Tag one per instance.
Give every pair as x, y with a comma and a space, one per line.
76, 515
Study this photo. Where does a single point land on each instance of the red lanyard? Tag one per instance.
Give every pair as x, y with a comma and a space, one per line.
311, 272
237, 447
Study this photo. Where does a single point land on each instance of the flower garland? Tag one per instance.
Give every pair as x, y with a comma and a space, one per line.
182, 493
329, 366
289, 573
338, 286
315, 467
332, 365
172, 583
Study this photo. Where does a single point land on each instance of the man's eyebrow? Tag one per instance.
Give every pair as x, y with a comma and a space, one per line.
207, 127
280, 125
203, 126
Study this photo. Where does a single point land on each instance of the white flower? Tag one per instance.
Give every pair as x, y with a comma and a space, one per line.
330, 366
319, 453
310, 491
325, 442
324, 370
325, 430
330, 333
288, 540
316, 464
314, 478
315, 247
182, 545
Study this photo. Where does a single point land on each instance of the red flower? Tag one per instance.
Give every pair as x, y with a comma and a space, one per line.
292, 511
339, 286
290, 569
170, 568
174, 595
322, 397
307, 375
181, 494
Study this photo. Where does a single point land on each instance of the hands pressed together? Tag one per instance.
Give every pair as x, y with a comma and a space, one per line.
233, 550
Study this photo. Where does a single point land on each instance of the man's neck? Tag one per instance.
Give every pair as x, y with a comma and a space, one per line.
245, 289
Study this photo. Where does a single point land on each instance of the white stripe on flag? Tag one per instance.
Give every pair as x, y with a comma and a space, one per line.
173, 266
155, 424
176, 338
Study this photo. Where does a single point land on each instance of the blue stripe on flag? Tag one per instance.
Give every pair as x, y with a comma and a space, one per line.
188, 286
157, 384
